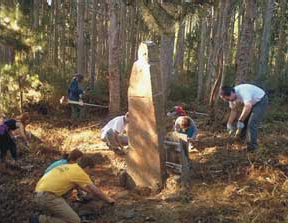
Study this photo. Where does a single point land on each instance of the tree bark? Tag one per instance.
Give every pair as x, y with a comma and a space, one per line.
265, 45
243, 57
201, 58
35, 14
114, 73
166, 60
179, 57
280, 57
93, 46
80, 36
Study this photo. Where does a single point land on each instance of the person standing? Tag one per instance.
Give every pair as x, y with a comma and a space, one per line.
255, 103
75, 93
51, 188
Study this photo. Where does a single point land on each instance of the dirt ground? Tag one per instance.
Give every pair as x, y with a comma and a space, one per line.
228, 184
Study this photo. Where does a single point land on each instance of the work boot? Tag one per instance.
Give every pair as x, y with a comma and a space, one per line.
250, 148
34, 218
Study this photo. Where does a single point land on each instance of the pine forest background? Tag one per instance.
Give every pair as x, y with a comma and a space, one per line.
203, 45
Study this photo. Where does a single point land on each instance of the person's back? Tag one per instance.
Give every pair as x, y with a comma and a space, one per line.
73, 156
116, 124
62, 179
56, 164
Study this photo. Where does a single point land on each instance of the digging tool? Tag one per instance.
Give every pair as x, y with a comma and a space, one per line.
196, 113
86, 104
64, 100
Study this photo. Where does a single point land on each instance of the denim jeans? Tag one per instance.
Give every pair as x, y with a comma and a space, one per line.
252, 122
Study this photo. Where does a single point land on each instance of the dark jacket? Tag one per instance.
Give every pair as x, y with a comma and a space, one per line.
74, 90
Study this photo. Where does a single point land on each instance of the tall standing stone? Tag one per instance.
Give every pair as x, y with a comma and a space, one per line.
145, 159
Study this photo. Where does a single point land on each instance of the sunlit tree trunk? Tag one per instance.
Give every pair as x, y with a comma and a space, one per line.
217, 56
280, 56
114, 73
202, 59
265, 45
93, 46
166, 60
56, 25
179, 57
80, 36
243, 57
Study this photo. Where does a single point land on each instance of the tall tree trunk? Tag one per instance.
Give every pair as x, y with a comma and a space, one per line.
201, 58
63, 38
35, 14
265, 45
80, 36
114, 73
217, 56
56, 26
93, 46
180, 49
243, 57
166, 60
280, 57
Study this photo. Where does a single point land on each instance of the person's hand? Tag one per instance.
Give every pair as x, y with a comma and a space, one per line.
240, 125
230, 128
81, 103
111, 200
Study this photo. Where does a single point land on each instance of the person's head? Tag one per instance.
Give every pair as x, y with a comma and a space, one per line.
24, 118
185, 122
74, 155
87, 164
227, 93
127, 117
79, 77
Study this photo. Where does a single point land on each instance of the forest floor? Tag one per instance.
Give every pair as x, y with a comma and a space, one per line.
228, 184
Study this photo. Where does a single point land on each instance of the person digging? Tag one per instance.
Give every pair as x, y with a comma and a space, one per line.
185, 125
113, 133
51, 188
255, 103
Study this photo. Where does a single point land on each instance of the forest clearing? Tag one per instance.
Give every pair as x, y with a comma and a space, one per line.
228, 185
120, 111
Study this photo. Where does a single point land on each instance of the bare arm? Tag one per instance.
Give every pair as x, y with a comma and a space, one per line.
232, 116
115, 135
245, 112
91, 188
22, 131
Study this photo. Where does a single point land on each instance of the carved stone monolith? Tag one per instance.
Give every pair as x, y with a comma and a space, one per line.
145, 160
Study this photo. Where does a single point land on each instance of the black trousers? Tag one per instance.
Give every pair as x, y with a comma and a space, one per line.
7, 143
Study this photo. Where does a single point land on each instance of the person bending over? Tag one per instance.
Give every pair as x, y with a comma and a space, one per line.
73, 156
51, 188
113, 132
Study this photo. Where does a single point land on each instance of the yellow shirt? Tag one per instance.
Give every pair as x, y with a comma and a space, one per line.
62, 179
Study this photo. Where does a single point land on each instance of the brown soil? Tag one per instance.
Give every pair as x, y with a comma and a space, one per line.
228, 184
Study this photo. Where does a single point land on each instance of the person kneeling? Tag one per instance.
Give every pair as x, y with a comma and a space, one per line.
185, 125
56, 183
113, 133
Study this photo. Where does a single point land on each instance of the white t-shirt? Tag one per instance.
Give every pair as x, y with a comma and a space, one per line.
117, 124
247, 93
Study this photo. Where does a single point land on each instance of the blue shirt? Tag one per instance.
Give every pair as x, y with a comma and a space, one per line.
74, 91
55, 164
190, 132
